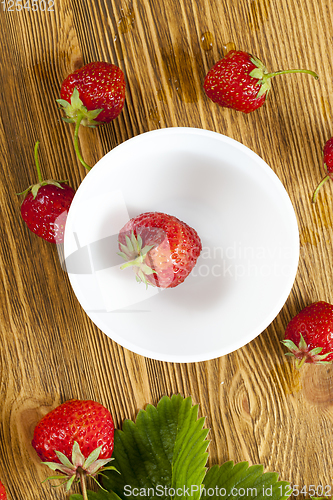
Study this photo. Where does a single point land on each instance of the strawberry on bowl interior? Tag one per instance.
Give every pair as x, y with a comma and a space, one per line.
246, 224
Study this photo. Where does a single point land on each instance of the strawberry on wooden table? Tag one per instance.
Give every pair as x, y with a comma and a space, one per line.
92, 95
76, 439
309, 335
328, 166
161, 249
3, 495
45, 206
241, 81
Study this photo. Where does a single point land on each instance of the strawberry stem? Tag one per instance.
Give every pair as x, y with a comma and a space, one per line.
76, 140
319, 186
299, 364
286, 71
83, 483
40, 178
135, 262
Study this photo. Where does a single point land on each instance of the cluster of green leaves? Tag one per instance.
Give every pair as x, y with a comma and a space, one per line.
163, 455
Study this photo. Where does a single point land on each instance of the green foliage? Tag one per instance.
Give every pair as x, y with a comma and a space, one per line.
164, 448
162, 455
242, 482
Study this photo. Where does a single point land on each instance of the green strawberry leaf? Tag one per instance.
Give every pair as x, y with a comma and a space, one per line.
165, 448
64, 460
289, 344
63, 103
68, 120
257, 73
162, 455
316, 350
69, 483
94, 113
302, 344
75, 99
92, 457
241, 482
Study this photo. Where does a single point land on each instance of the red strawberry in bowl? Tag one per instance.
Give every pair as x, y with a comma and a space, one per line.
328, 166
241, 81
161, 249
309, 335
3, 495
76, 439
92, 95
45, 206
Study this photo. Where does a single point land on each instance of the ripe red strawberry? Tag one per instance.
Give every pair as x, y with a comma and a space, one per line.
101, 86
161, 249
92, 95
3, 495
46, 205
309, 335
241, 81
328, 166
77, 437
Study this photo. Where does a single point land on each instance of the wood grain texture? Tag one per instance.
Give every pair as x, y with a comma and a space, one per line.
258, 407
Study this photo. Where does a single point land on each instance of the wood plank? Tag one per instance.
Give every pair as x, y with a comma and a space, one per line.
258, 407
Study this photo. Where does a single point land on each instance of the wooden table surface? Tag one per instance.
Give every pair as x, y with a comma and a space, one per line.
264, 411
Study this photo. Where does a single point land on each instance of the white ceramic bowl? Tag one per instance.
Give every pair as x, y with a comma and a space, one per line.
242, 214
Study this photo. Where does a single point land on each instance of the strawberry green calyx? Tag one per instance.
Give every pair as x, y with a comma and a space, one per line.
303, 354
34, 188
77, 113
135, 257
75, 109
261, 73
75, 471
